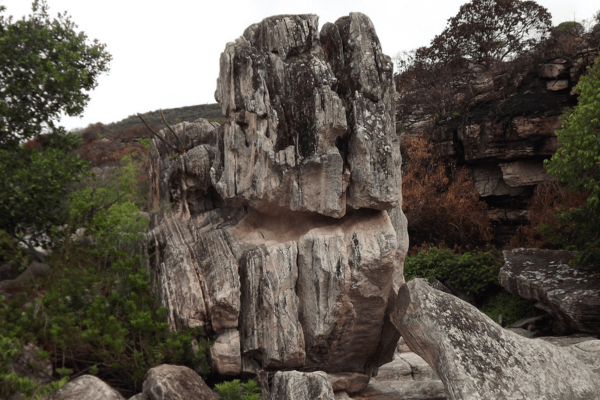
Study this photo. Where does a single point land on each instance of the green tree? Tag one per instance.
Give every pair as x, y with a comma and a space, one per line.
33, 190
46, 67
577, 163
485, 31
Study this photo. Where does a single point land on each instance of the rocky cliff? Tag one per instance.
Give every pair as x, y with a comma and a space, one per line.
506, 127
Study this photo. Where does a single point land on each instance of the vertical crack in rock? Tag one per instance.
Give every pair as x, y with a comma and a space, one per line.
290, 231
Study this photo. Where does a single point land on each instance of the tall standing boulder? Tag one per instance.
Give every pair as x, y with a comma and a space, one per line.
283, 227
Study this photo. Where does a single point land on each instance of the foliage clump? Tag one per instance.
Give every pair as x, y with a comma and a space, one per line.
472, 273
97, 312
508, 308
487, 31
486, 36
45, 68
235, 390
577, 164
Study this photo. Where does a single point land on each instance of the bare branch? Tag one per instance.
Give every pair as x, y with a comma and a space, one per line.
171, 129
157, 135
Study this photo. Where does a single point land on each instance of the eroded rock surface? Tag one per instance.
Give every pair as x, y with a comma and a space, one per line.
570, 295
477, 359
87, 387
174, 382
295, 385
284, 224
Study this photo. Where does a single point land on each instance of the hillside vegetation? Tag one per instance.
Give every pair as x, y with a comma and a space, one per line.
106, 144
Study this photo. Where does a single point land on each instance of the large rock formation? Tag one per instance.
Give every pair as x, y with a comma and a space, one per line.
280, 232
570, 295
477, 359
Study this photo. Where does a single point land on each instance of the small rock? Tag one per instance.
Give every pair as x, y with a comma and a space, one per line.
139, 396
87, 387
526, 321
225, 355
294, 385
173, 382
428, 390
350, 382
557, 85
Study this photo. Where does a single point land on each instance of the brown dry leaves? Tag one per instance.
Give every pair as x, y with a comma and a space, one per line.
440, 203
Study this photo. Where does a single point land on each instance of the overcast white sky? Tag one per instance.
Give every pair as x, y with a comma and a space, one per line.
166, 53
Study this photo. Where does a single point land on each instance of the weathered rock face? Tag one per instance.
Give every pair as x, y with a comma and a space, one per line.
507, 128
477, 359
87, 387
313, 112
570, 295
294, 385
284, 225
174, 382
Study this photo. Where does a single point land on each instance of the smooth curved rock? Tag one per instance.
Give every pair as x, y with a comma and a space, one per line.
87, 387
571, 296
477, 359
173, 382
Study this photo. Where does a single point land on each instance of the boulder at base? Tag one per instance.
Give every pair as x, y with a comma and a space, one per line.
570, 295
477, 359
174, 382
87, 387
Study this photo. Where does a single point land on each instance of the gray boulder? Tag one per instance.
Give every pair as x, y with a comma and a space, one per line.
173, 382
87, 387
285, 223
477, 359
570, 295
295, 385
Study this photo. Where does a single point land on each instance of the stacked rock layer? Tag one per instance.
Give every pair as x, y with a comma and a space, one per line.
280, 232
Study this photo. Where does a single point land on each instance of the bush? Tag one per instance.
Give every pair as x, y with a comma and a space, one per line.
547, 202
573, 28
576, 163
471, 273
441, 208
97, 312
510, 307
234, 390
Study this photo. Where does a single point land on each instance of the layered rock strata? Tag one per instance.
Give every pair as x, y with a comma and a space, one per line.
570, 295
504, 128
280, 232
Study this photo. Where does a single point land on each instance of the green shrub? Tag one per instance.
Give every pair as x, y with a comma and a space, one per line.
97, 313
576, 164
470, 273
511, 307
234, 390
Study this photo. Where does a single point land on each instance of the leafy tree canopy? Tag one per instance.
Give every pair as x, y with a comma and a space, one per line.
577, 163
45, 68
486, 31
